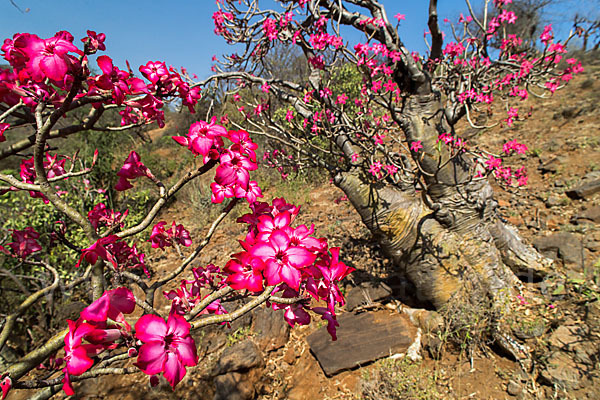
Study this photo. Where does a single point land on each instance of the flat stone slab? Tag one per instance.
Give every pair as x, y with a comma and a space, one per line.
362, 338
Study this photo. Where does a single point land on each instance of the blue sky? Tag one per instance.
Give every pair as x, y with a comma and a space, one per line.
177, 32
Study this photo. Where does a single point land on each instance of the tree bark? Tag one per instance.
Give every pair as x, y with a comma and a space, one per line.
447, 240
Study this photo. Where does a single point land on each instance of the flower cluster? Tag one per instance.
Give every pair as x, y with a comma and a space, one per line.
289, 260
163, 346
53, 165
24, 242
506, 173
277, 254
232, 177
118, 253
45, 69
161, 238
100, 215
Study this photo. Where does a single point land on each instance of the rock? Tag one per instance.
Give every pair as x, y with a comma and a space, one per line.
238, 371
210, 339
592, 316
566, 337
241, 356
592, 245
591, 214
272, 332
503, 203
362, 338
366, 293
513, 388
562, 371
553, 200
553, 223
563, 245
235, 386
559, 183
590, 184
306, 380
552, 165
530, 329
576, 340
573, 355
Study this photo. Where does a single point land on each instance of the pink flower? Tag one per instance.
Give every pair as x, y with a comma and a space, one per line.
94, 41
341, 99
289, 116
333, 271
155, 71
202, 137
296, 314
547, 34
180, 235
132, 168
245, 272
325, 93
400, 17
243, 144
446, 138
416, 146
5, 385
493, 162
77, 355
168, 347
98, 249
25, 242
270, 29
111, 305
251, 195
161, 238
375, 169
221, 192
112, 79
234, 169
100, 214
317, 62
49, 58
3, 127
283, 261
328, 316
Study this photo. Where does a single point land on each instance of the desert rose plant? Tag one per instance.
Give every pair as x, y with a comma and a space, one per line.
285, 265
388, 124
384, 121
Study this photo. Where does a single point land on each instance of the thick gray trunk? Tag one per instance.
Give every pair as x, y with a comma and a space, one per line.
447, 240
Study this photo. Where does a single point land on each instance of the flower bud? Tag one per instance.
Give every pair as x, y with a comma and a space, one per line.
154, 380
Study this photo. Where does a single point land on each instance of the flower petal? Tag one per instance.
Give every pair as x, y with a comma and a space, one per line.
151, 358
174, 370
150, 328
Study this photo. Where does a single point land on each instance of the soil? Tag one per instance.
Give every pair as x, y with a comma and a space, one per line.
563, 136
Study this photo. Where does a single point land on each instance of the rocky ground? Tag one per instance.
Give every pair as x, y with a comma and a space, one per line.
260, 357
